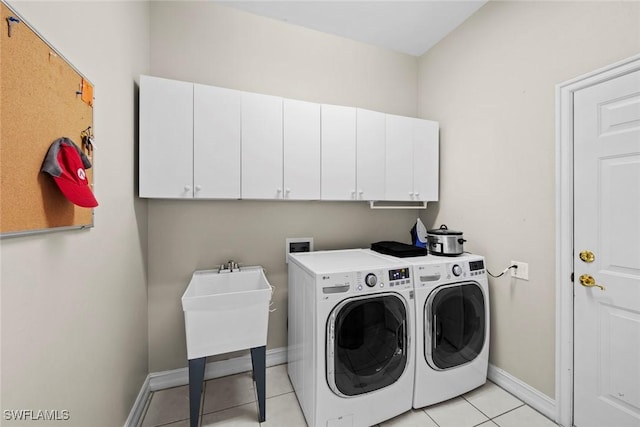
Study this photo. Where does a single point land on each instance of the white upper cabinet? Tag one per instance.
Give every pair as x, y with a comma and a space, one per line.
399, 159
411, 159
426, 161
216, 142
301, 150
261, 146
370, 154
166, 138
338, 166
199, 141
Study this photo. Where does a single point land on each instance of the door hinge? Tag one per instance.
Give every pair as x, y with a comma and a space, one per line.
571, 277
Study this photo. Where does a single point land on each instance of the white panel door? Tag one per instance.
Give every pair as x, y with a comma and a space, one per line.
261, 146
216, 142
607, 223
370, 154
166, 138
399, 158
426, 163
338, 153
301, 150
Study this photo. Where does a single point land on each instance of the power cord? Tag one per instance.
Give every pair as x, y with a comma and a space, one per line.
503, 271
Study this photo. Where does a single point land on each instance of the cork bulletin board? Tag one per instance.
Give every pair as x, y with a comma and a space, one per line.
42, 98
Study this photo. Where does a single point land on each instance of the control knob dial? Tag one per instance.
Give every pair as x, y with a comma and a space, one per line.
371, 280
456, 270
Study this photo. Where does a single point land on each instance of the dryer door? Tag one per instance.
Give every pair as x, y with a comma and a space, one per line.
367, 343
454, 325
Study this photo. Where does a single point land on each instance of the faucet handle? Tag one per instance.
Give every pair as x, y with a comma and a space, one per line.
232, 265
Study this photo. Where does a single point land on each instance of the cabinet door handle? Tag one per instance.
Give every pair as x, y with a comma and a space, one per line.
417, 195
360, 194
187, 188
198, 187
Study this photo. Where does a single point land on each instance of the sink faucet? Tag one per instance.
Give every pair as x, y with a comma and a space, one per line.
229, 267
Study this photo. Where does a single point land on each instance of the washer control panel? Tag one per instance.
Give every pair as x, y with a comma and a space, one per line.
392, 278
367, 281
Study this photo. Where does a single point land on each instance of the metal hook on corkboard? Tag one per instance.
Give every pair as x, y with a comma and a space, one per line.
10, 21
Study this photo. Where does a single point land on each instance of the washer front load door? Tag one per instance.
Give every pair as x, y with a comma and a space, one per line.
367, 340
454, 325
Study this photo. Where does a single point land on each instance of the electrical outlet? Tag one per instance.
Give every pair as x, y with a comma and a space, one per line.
522, 272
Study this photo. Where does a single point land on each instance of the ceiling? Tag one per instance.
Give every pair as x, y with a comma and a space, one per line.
411, 27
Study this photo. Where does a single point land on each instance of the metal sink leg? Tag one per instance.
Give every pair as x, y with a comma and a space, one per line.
258, 355
196, 378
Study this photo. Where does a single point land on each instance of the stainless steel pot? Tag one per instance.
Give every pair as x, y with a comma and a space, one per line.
442, 241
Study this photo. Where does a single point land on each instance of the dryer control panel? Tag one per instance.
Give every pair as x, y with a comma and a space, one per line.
454, 270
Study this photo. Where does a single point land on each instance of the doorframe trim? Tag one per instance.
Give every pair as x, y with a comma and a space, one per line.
564, 227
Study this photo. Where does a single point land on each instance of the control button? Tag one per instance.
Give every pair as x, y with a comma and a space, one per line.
456, 270
371, 280
359, 287
382, 285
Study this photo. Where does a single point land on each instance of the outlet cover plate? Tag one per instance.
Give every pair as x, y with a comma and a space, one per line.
297, 244
522, 272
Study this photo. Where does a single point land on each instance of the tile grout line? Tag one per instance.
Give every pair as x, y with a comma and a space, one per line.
496, 416
510, 410
430, 417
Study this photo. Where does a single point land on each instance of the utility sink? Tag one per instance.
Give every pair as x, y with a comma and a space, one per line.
225, 312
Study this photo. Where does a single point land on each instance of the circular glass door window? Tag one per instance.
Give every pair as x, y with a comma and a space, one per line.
366, 344
454, 325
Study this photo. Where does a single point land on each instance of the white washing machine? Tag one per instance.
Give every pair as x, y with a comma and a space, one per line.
351, 321
452, 329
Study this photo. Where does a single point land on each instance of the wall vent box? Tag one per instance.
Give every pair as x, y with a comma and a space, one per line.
298, 244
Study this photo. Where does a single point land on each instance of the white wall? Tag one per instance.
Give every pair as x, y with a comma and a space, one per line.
217, 45
491, 84
74, 306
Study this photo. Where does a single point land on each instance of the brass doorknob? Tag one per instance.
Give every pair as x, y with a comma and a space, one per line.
587, 256
589, 282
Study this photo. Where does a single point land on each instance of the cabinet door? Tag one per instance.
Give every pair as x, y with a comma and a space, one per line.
370, 154
166, 138
216, 142
399, 158
338, 176
301, 150
426, 169
261, 146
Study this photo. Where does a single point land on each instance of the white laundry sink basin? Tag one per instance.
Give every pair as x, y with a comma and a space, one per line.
226, 312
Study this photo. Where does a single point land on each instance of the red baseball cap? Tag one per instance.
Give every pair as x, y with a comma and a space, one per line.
66, 163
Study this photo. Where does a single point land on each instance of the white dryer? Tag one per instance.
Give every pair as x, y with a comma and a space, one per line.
452, 329
351, 320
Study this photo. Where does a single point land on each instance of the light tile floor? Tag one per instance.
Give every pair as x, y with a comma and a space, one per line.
231, 401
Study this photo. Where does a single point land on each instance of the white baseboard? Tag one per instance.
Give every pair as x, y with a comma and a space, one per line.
523, 391
161, 380
138, 406
277, 356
